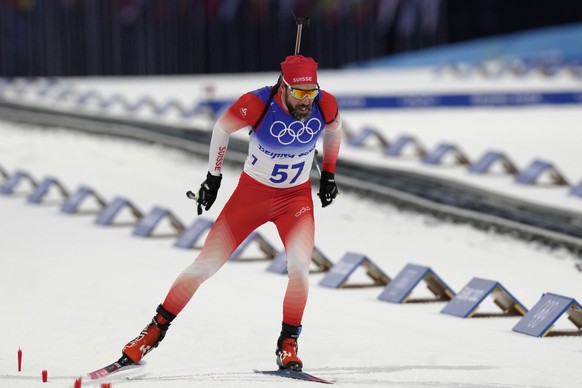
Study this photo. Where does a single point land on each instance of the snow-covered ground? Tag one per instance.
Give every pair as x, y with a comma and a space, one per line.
74, 292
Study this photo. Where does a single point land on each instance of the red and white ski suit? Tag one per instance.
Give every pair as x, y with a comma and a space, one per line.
274, 186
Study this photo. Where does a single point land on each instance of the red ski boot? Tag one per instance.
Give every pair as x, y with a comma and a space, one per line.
150, 336
287, 348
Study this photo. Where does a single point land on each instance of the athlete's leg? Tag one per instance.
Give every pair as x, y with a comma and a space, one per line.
244, 212
296, 228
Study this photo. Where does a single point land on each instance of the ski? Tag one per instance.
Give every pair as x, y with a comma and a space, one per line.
123, 364
292, 374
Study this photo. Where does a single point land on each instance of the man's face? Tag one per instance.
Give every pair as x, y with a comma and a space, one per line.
299, 108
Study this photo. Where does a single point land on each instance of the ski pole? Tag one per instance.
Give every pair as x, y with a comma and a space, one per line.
300, 22
316, 164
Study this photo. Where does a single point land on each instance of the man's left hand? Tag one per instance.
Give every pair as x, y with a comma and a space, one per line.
327, 188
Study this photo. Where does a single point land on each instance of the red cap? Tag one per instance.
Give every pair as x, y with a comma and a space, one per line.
298, 69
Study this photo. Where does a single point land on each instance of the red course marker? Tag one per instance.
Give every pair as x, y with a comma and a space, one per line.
19, 359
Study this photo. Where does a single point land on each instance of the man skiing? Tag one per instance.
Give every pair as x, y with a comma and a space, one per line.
285, 120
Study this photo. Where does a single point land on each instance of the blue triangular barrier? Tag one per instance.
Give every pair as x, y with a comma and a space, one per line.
398, 147
538, 322
318, 259
148, 223
168, 105
43, 188
116, 99
577, 190
536, 169
438, 154
3, 173
14, 180
484, 164
399, 290
212, 107
74, 201
197, 110
141, 102
114, 208
361, 137
321, 261
338, 275
192, 234
264, 246
467, 301
87, 97
278, 264
49, 85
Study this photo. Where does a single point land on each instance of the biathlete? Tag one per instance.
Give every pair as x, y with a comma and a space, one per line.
285, 122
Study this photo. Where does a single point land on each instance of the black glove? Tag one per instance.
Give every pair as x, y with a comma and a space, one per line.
327, 188
208, 192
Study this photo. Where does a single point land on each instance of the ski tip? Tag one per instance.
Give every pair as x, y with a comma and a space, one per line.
294, 375
113, 368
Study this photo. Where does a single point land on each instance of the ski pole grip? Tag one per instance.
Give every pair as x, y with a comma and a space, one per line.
300, 22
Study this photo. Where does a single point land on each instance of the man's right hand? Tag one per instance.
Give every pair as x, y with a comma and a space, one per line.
208, 192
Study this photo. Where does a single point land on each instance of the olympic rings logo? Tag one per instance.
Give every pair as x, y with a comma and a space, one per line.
302, 132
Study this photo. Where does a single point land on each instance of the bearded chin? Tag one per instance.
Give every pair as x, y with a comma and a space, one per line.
299, 116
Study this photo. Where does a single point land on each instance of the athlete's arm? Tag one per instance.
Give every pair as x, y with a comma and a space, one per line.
332, 135
242, 114
332, 138
218, 146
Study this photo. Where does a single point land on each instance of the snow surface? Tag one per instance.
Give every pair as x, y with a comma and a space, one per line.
73, 293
